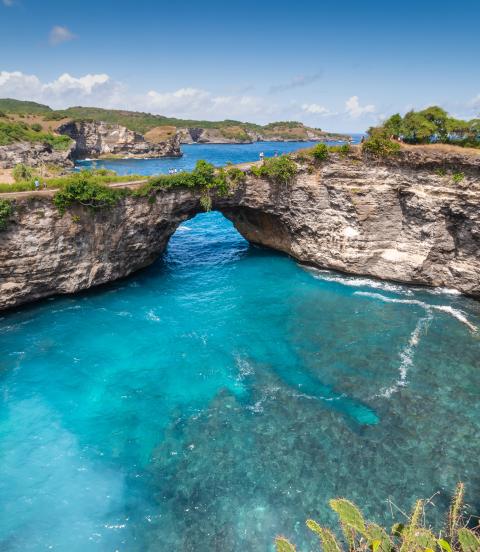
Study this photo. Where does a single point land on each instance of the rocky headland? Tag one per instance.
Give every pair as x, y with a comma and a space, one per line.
413, 218
245, 135
97, 139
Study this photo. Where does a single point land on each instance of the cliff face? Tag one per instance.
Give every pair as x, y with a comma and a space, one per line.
34, 155
99, 139
407, 220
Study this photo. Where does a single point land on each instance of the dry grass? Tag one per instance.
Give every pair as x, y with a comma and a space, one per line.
30, 119
291, 133
446, 148
6, 176
160, 134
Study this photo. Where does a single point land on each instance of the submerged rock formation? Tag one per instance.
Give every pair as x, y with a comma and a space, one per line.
100, 139
34, 154
413, 219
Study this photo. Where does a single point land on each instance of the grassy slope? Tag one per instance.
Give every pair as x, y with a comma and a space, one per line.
18, 106
145, 122
13, 131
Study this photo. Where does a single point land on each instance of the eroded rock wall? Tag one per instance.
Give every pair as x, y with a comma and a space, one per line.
407, 221
100, 139
34, 155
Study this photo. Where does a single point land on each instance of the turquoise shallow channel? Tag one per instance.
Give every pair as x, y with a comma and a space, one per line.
223, 395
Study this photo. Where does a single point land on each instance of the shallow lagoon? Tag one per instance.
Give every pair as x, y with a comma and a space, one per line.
223, 395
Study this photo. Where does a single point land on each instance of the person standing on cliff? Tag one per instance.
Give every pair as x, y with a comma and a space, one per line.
37, 184
261, 156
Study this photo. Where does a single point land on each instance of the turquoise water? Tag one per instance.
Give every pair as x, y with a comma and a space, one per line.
219, 154
223, 395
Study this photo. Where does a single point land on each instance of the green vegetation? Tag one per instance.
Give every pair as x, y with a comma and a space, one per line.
95, 176
89, 187
203, 177
433, 124
277, 169
11, 132
144, 122
17, 106
22, 173
139, 121
238, 134
6, 211
379, 144
320, 152
343, 150
458, 177
235, 176
283, 124
413, 536
91, 194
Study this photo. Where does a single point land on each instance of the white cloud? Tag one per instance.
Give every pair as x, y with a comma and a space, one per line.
101, 90
60, 34
316, 109
198, 103
66, 90
355, 110
8, 3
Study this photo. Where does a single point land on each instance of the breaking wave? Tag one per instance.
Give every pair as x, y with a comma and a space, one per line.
356, 281
456, 313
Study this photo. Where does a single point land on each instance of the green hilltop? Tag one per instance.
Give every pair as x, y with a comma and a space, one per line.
8, 105
143, 122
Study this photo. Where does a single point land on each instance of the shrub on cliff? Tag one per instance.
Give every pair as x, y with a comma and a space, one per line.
83, 191
412, 536
204, 177
378, 144
6, 211
277, 169
343, 150
22, 172
320, 152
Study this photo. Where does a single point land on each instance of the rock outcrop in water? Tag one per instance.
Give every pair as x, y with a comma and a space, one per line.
100, 139
413, 219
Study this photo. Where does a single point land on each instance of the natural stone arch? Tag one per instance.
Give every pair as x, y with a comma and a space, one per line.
355, 216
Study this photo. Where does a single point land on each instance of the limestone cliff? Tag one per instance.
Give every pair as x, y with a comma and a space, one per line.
34, 155
100, 139
414, 219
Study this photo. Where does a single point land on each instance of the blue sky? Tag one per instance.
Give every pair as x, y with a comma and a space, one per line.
335, 65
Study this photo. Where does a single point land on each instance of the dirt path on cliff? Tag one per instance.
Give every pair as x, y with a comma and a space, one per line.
49, 192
